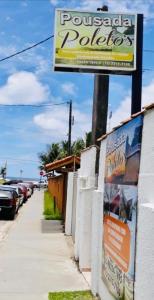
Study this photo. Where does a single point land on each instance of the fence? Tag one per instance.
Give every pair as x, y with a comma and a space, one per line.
89, 227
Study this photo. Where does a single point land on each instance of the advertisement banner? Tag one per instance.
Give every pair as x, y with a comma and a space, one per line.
120, 208
95, 41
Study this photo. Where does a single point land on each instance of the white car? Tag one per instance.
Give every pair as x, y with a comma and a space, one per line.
42, 184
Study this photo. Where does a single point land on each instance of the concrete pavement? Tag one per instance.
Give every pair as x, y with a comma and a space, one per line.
35, 257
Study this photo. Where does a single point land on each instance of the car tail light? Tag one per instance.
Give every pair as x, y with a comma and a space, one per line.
13, 201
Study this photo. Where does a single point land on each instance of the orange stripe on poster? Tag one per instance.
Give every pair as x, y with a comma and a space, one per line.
117, 240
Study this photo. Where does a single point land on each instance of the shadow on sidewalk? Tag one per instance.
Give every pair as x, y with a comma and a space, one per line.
51, 226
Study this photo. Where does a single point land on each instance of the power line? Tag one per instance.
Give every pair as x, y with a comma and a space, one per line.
19, 159
149, 50
145, 70
26, 49
35, 45
33, 105
41, 42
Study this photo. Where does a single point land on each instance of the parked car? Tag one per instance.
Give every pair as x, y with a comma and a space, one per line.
31, 185
35, 184
15, 188
29, 190
42, 184
21, 191
24, 191
9, 203
13, 181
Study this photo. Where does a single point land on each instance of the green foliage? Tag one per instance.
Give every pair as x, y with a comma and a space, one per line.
50, 155
80, 295
57, 151
88, 139
50, 211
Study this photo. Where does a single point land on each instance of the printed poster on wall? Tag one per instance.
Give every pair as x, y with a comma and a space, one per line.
120, 208
94, 41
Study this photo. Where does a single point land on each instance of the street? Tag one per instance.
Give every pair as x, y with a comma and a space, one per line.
35, 256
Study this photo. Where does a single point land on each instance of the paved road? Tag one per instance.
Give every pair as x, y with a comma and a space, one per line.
35, 257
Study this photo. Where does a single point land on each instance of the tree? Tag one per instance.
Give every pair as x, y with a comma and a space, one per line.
60, 150
88, 138
78, 146
52, 153
63, 149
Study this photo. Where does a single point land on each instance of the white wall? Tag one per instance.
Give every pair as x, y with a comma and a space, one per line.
98, 286
78, 217
85, 230
97, 207
89, 222
85, 186
146, 175
144, 286
69, 204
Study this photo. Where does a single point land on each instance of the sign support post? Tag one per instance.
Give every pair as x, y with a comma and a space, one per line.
100, 106
100, 102
137, 74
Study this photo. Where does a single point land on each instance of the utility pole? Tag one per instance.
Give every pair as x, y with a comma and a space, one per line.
70, 127
21, 172
100, 102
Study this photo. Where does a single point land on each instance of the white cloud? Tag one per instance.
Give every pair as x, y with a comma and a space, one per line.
54, 123
6, 49
136, 6
24, 3
8, 19
69, 88
54, 2
123, 111
23, 88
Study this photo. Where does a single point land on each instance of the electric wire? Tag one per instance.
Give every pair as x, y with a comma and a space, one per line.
41, 42
33, 105
26, 49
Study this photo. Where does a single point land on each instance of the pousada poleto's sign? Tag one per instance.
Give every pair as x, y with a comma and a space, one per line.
94, 41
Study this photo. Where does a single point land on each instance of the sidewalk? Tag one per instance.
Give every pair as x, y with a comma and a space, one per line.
35, 258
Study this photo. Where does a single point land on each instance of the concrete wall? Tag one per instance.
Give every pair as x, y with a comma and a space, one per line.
74, 205
70, 222
85, 187
144, 286
69, 204
89, 217
97, 285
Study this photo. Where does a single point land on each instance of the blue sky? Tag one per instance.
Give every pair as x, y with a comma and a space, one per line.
28, 79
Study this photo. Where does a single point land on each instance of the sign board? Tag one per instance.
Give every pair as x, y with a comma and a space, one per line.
120, 208
91, 42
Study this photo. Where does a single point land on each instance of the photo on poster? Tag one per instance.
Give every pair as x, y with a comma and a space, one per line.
123, 153
120, 201
120, 209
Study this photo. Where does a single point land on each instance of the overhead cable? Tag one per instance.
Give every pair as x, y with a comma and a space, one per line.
33, 105
26, 49
41, 42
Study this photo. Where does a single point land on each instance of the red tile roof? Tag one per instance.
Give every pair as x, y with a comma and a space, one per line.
74, 160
